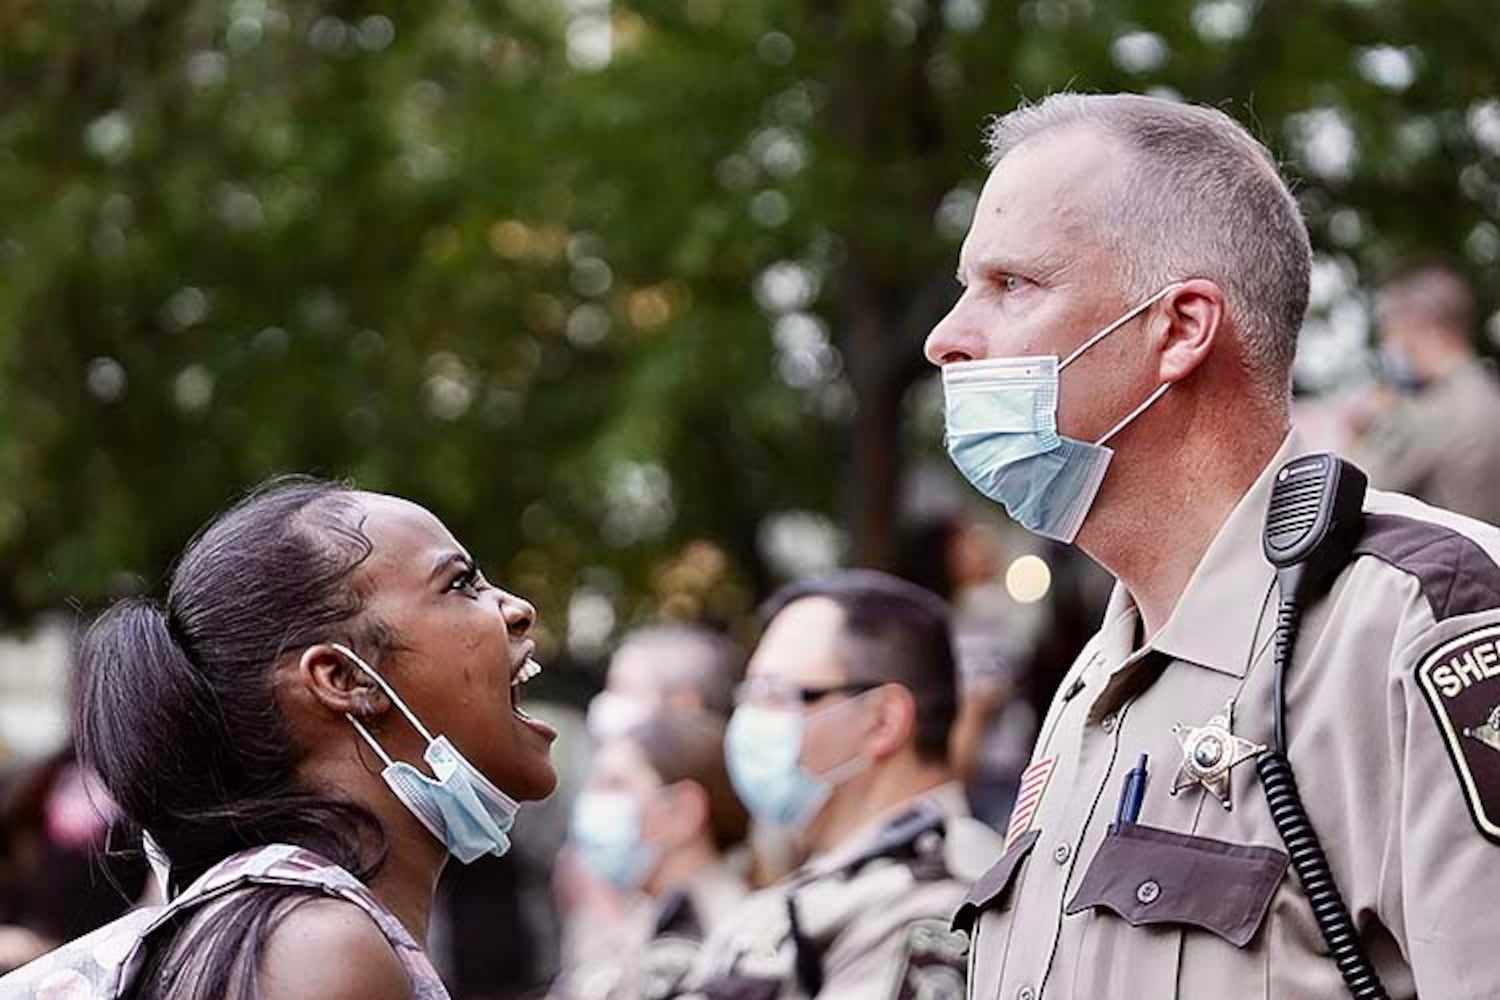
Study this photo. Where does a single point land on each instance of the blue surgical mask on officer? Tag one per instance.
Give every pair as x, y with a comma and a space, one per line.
763, 751
456, 803
1397, 370
1001, 417
610, 715
606, 832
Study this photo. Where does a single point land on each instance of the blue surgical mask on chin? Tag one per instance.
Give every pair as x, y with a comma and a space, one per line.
606, 832
762, 750
1001, 416
459, 806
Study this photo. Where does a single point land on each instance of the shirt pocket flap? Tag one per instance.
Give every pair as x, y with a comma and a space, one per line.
1152, 876
990, 887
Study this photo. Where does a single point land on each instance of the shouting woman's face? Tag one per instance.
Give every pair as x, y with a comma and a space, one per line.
460, 646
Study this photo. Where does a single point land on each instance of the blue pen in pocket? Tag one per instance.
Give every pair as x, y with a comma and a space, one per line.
1131, 793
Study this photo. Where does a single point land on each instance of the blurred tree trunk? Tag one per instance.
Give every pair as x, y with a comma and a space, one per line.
885, 115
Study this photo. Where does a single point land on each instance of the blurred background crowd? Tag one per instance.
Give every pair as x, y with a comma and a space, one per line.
632, 293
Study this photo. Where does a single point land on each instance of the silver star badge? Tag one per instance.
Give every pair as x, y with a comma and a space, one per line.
1489, 733
1209, 752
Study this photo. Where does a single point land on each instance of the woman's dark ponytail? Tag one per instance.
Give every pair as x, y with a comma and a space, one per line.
140, 699
176, 709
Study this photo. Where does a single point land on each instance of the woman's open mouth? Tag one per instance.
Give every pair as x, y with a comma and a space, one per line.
529, 670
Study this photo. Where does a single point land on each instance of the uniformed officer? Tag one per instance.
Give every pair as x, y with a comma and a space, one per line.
673, 667
665, 668
841, 732
1154, 249
1435, 436
658, 819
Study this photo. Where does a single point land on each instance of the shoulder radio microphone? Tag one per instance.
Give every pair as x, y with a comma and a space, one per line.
1313, 523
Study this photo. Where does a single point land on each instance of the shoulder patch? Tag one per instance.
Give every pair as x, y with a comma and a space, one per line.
1457, 576
933, 967
910, 837
1461, 682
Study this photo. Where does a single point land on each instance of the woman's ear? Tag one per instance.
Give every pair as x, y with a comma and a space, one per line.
1194, 314
335, 681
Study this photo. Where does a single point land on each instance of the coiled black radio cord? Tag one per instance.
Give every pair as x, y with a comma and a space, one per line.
1290, 817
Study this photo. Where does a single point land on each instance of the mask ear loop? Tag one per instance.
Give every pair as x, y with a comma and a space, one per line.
389, 693
1161, 391
1117, 324
855, 765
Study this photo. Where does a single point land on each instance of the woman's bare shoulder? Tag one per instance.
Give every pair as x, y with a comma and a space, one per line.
327, 948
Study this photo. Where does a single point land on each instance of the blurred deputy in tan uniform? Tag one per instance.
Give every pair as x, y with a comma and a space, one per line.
668, 667
842, 732
658, 817
1437, 436
1153, 247
681, 669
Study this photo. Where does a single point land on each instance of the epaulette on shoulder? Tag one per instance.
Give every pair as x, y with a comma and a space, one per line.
1457, 576
915, 837
676, 915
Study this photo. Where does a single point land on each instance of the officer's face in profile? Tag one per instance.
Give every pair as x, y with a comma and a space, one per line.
1039, 277
668, 815
631, 693
800, 653
620, 766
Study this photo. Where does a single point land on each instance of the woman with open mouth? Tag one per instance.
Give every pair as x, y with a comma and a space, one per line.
322, 709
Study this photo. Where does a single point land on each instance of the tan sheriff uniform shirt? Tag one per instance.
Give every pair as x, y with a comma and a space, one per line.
1443, 444
1394, 739
683, 919
660, 942
871, 917
593, 968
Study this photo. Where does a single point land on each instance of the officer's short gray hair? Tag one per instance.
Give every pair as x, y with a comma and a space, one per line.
1200, 198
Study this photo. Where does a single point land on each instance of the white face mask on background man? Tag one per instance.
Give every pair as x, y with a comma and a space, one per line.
611, 715
763, 751
606, 831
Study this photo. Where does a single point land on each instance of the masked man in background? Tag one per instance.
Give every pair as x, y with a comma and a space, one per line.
841, 733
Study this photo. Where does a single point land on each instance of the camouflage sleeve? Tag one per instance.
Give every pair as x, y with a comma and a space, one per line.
902, 947
935, 962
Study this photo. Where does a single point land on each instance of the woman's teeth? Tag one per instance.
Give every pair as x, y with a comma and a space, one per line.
528, 670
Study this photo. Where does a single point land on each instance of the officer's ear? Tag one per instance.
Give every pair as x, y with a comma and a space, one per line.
682, 700
683, 813
1185, 327
893, 721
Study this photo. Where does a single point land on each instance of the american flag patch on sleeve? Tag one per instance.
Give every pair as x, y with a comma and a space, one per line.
1033, 784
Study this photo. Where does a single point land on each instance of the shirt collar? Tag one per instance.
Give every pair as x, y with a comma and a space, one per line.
1216, 619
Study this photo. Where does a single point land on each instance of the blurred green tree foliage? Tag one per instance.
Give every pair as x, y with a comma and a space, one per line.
631, 293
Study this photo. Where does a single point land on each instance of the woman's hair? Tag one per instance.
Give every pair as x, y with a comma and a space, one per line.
176, 711
690, 747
